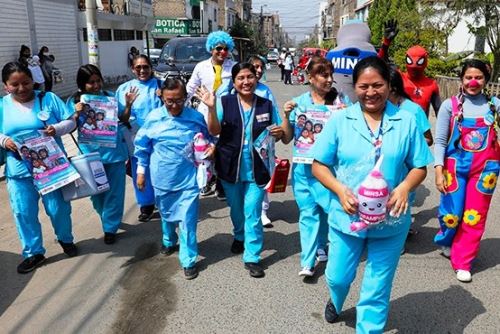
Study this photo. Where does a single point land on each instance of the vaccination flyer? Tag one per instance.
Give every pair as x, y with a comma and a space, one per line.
309, 123
265, 147
98, 122
47, 163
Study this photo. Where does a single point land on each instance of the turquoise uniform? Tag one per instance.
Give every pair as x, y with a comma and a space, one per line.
110, 204
245, 196
164, 144
347, 148
312, 198
142, 106
22, 193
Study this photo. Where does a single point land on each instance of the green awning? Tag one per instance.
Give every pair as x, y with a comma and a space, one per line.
194, 2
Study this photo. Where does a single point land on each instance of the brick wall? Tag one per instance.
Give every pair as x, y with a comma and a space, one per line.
169, 8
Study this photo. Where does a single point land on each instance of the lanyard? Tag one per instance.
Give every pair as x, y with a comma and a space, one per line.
376, 140
249, 125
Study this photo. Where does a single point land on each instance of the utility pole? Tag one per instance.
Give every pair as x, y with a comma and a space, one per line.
92, 32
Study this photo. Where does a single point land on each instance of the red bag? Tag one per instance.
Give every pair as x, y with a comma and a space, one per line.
279, 179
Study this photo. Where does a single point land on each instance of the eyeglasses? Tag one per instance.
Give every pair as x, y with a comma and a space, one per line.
142, 67
179, 102
220, 48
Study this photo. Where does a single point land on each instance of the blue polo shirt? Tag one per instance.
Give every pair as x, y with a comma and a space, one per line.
348, 149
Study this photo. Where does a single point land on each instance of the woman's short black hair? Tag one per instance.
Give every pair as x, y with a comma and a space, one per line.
396, 82
475, 63
237, 68
84, 73
374, 62
142, 56
13, 67
174, 83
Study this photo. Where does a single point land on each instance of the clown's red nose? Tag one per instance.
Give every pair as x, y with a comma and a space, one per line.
473, 83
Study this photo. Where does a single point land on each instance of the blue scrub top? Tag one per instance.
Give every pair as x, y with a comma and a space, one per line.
423, 124
108, 154
348, 149
164, 143
145, 102
246, 167
14, 122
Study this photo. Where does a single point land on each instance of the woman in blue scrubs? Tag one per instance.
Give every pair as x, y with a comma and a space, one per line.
239, 120
136, 98
312, 198
164, 144
109, 205
20, 114
357, 137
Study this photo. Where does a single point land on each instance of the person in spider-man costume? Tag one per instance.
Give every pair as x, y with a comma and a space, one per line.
421, 89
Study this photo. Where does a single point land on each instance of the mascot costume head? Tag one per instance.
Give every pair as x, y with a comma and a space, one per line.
353, 44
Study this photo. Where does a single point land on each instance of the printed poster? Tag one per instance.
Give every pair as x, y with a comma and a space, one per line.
45, 160
265, 147
309, 124
98, 122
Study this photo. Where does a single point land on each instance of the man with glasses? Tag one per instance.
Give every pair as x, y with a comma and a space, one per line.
211, 73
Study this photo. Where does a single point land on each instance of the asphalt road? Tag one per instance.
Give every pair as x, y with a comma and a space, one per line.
129, 287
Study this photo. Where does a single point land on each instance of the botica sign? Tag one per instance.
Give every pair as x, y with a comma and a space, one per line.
170, 26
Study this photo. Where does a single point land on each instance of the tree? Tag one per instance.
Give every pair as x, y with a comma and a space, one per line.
246, 39
485, 14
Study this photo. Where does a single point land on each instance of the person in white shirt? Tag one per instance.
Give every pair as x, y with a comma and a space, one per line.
36, 72
211, 74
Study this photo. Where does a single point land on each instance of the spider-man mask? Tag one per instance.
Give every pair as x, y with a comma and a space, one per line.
416, 61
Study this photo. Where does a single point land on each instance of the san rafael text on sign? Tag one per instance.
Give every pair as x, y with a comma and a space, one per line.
169, 26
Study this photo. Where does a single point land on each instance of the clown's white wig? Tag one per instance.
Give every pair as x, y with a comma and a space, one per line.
217, 38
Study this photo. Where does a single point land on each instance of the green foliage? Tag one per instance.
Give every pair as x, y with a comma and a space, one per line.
327, 44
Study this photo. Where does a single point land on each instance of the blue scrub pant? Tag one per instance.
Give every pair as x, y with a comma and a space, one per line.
24, 203
313, 222
382, 260
245, 203
147, 195
110, 204
180, 209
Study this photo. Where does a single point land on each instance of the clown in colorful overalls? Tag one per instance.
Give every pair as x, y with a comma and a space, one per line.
467, 164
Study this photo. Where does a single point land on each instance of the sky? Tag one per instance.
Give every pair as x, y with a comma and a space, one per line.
297, 17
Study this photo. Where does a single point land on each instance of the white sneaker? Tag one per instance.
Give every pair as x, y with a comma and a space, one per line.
321, 255
446, 251
266, 222
307, 272
464, 276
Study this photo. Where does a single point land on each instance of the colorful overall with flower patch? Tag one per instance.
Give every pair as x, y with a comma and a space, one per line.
471, 169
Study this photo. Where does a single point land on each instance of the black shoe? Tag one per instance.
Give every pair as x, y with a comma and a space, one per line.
331, 314
255, 269
237, 247
191, 273
30, 263
109, 238
169, 250
147, 213
207, 190
69, 248
221, 196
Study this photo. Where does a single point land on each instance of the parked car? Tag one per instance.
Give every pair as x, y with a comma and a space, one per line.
154, 55
180, 55
272, 57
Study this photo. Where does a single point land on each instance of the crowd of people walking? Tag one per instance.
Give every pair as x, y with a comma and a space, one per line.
342, 213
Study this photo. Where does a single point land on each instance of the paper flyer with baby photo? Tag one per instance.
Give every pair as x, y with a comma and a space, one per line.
309, 124
98, 122
265, 147
47, 163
